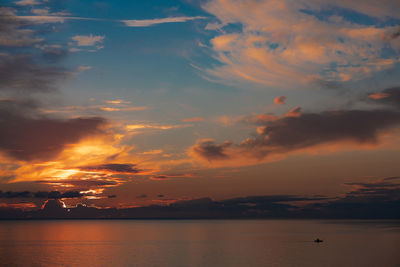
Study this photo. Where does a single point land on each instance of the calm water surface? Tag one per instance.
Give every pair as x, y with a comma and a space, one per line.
199, 243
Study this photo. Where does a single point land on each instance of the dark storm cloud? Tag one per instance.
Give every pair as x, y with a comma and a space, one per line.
21, 73
37, 137
210, 150
41, 194
114, 168
311, 129
307, 130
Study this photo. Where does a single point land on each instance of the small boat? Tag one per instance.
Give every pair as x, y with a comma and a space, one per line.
318, 240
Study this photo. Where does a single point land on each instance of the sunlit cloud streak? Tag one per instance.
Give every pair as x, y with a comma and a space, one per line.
151, 22
129, 23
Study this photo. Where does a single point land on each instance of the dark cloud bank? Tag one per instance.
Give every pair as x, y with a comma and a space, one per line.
291, 133
28, 135
117, 168
39, 195
368, 200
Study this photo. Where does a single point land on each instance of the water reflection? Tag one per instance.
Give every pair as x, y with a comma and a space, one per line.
198, 243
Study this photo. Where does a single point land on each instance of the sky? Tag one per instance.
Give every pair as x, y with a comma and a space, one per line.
134, 103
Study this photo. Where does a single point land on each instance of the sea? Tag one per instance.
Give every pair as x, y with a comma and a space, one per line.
208, 243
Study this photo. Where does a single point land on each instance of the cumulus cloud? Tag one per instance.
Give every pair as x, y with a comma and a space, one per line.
274, 45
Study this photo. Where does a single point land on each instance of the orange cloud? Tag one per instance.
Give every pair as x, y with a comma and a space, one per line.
280, 100
275, 46
378, 95
296, 112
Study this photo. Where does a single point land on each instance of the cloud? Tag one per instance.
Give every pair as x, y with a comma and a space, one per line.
84, 68
193, 119
295, 112
82, 184
28, 135
373, 199
141, 127
13, 31
164, 177
41, 194
21, 73
209, 150
377, 96
390, 96
116, 168
280, 100
53, 53
117, 102
297, 131
151, 22
88, 40
27, 2
44, 16
269, 43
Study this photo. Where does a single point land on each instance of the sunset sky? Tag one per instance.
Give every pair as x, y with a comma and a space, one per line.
134, 103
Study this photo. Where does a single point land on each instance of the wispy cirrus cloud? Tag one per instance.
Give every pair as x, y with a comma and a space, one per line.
151, 22
27, 2
57, 18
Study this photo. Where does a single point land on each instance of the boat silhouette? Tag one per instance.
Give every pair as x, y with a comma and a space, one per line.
318, 240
